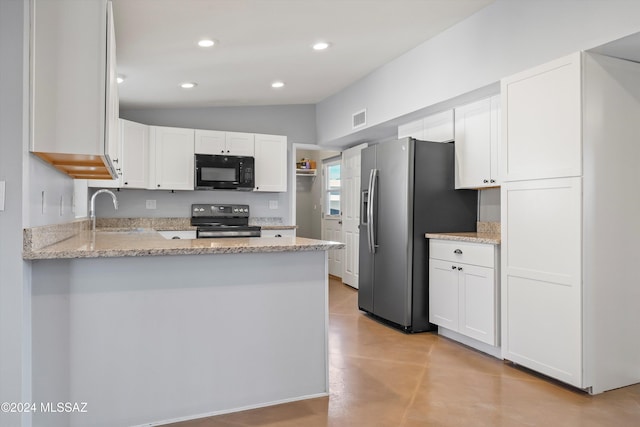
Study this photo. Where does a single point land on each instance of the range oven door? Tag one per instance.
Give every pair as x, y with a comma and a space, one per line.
228, 231
221, 172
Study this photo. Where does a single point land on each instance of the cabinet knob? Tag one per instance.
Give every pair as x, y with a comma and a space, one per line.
457, 251
453, 267
221, 151
485, 181
126, 183
158, 185
459, 268
228, 151
492, 181
278, 235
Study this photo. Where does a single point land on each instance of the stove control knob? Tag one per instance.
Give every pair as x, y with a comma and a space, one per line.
246, 209
235, 209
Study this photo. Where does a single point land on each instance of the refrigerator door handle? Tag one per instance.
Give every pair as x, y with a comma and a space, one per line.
369, 212
372, 220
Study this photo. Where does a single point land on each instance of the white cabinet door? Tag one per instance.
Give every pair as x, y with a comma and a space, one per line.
173, 151
414, 130
289, 232
112, 138
542, 121
444, 294
476, 139
438, 127
542, 276
270, 163
219, 142
477, 303
240, 144
210, 142
135, 154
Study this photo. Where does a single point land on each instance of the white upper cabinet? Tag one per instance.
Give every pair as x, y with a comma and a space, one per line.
271, 163
541, 121
477, 137
74, 94
173, 152
135, 154
219, 142
240, 144
113, 146
437, 127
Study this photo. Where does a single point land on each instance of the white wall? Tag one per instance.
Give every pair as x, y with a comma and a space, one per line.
505, 37
297, 122
14, 285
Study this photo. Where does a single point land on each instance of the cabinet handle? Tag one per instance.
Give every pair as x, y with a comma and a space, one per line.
278, 235
485, 181
459, 268
457, 251
126, 183
453, 267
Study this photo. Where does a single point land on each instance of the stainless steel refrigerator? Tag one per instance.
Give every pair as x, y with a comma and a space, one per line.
407, 190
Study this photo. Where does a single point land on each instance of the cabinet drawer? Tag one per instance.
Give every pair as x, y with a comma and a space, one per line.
462, 252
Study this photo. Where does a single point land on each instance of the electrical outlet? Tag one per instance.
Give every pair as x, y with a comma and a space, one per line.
273, 204
151, 204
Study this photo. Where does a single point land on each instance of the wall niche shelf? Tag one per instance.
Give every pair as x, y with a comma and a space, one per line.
306, 172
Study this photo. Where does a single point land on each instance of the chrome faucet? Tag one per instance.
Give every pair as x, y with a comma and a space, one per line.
92, 210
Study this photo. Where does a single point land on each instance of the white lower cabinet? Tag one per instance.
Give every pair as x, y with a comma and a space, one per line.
290, 232
463, 291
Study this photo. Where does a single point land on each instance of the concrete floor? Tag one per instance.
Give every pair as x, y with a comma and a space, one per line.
381, 377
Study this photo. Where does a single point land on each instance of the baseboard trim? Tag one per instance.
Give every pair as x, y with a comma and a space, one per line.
228, 411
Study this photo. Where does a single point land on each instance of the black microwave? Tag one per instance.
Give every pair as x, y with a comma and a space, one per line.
220, 172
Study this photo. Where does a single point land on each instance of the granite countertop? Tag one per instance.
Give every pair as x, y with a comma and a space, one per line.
147, 242
487, 232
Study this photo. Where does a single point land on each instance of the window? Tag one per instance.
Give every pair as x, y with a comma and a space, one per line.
332, 187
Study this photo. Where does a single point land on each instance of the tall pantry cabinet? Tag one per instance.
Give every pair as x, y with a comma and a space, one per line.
570, 230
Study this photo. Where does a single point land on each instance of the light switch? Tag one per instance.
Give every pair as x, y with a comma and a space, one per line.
2, 187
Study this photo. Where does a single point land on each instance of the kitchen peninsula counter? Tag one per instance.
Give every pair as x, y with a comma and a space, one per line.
155, 331
105, 244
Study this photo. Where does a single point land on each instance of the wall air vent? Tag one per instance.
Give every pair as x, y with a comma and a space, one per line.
359, 119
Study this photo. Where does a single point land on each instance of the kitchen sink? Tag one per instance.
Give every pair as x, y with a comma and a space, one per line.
178, 234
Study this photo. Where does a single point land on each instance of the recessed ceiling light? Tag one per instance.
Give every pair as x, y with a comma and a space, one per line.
206, 43
120, 78
188, 85
321, 46
277, 85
